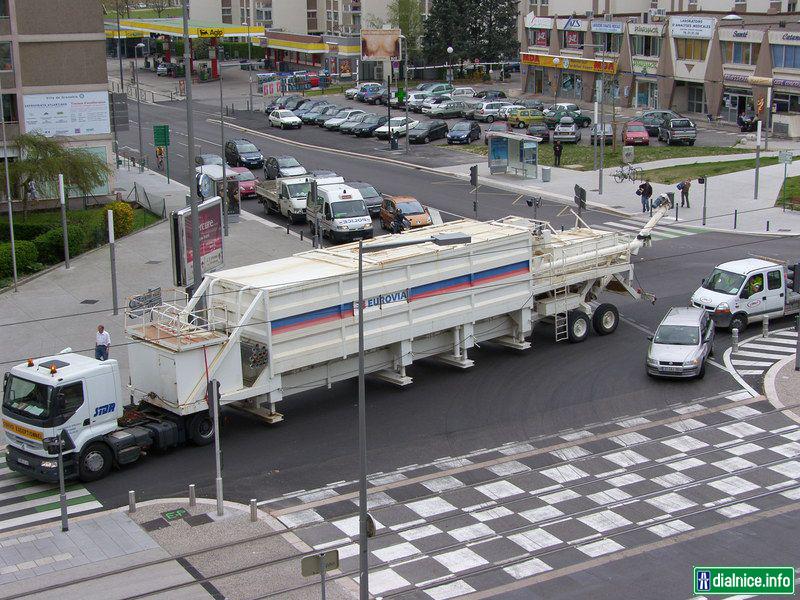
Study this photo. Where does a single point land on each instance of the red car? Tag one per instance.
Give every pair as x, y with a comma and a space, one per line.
247, 181
635, 133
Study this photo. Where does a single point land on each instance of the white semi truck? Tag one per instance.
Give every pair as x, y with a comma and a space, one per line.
279, 328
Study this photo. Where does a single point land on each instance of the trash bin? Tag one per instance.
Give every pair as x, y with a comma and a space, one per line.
393, 144
545, 174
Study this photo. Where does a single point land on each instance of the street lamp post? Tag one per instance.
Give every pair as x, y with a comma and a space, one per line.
444, 239
139, 103
8, 191
249, 60
222, 147
405, 86
449, 65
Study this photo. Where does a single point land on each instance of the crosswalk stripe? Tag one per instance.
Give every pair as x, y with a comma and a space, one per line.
45, 501
48, 514
630, 229
789, 334
751, 363
775, 357
659, 229
750, 372
779, 349
773, 340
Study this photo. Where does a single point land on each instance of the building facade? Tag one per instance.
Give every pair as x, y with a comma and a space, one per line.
53, 73
709, 64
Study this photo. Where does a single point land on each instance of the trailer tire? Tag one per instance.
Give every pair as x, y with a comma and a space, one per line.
605, 319
578, 326
94, 462
201, 428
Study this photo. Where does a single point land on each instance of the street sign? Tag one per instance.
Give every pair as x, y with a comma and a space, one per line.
785, 157
161, 135
580, 196
311, 565
627, 154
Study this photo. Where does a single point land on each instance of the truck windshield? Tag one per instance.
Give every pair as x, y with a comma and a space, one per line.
724, 282
27, 398
349, 208
299, 190
678, 335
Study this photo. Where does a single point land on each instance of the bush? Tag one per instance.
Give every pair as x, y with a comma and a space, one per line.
26, 258
23, 230
123, 218
50, 245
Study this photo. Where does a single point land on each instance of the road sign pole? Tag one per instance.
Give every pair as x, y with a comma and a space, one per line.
322, 574
113, 261
783, 188
705, 193
62, 490
63, 200
167, 157
758, 157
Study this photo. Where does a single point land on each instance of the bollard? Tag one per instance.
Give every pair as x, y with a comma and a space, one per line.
767, 225
765, 327
735, 216
192, 496
676, 212
735, 341
287, 228
301, 235
131, 501
253, 510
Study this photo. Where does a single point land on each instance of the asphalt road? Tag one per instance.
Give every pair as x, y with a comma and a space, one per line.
446, 412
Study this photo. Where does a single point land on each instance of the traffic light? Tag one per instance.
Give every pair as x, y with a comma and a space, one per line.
473, 175
792, 279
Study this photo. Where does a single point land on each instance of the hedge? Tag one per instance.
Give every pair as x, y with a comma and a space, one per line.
50, 245
23, 231
27, 258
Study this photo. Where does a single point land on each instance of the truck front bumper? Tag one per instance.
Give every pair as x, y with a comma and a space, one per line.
40, 467
351, 236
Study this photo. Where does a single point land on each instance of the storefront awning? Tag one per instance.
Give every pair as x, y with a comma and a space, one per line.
174, 27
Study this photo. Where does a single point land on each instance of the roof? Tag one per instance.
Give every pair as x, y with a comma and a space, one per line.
683, 315
68, 365
174, 27
746, 265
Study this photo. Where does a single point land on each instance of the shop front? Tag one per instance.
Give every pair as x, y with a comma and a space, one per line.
570, 70
538, 31
737, 97
646, 94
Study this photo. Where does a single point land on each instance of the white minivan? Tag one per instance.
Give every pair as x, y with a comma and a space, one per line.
340, 213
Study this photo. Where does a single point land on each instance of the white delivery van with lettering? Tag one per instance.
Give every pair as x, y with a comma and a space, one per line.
340, 213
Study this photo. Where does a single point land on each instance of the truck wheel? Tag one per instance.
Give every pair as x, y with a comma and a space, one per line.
605, 319
201, 429
94, 462
578, 326
739, 322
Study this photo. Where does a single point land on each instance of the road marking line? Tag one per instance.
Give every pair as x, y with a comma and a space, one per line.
759, 355
751, 363
50, 514
751, 372
518, 199
780, 349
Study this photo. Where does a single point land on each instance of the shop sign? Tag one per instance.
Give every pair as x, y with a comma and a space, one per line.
534, 22
572, 24
644, 29
791, 37
691, 27
792, 83
570, 63
752, 35
736, 77
644, 64
607, 26
541, 38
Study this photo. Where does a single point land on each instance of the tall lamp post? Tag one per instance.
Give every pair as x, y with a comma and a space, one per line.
8, 191
249, 60
449, 65
140, 45
222, 147
443, 239
405, 98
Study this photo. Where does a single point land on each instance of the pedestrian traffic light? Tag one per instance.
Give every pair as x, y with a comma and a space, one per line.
793, 277
473, 175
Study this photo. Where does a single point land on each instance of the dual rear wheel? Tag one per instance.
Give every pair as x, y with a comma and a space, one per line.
604, 321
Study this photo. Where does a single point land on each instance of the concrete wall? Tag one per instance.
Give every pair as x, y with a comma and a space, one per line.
57, 16
288, 16
48, 63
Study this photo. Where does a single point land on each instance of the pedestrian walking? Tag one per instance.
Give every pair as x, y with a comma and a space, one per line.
160, 157
684, 186
102, 343
645, 192
558, 148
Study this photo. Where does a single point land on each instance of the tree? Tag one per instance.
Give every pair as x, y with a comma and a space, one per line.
447, 25
159, 6
498, 30
43, 159
406, 16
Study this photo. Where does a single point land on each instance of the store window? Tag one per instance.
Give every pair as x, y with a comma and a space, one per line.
696, 98
786, 57
539, 37
572, 39
5, 57
645, 45
740, 53
571, 86
785, 103
691, 49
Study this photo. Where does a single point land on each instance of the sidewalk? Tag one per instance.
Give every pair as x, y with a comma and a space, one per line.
119, 555
726, 193
782, 386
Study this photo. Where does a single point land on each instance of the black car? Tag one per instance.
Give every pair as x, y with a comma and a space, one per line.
427, 131
282, 166
491, 95
296, 103
493, 127
310, 107
243, 153
653, 119
368, 126
464, 132
310, 117
326, 113
539, 130
356, 120
372, 197
208, 159
380, 96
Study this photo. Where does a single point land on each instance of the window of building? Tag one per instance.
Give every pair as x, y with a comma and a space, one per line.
785, 103
786, 57
10, 108
740, 53
5, 57
572, 39
611, 41
691, 49
645, 45
227, 14
792, 7
543, 2
3, 9
696, 98
264, 13
539, 37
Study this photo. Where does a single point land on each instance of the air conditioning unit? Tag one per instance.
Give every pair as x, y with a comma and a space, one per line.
657, 14
589, 14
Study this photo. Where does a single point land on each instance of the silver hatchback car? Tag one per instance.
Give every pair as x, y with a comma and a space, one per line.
683, 342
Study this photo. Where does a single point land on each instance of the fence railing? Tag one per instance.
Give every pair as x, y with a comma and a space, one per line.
149, 202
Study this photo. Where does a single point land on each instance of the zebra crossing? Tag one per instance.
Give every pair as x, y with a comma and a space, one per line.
662, 231
24, 501
755, 356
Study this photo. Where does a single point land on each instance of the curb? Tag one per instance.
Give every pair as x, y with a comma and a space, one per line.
771, 391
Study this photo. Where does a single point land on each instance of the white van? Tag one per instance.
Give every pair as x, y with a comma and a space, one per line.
340, 213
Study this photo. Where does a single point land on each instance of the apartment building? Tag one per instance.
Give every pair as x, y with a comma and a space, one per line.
53, 73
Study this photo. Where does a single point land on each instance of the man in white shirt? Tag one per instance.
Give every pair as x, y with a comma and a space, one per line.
102, 343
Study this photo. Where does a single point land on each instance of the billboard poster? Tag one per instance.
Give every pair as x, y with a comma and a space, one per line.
211, 247
380, 44
498, 154
573, 39
67, 114
541, 38
686, 26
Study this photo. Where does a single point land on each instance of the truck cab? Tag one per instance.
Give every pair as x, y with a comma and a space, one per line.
340, 213
68, 392
742, 291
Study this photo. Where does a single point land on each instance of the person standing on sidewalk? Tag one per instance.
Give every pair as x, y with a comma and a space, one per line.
645, 192
557, 149
102, 343
684, 186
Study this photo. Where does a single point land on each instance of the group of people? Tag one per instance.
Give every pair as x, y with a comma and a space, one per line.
645, 193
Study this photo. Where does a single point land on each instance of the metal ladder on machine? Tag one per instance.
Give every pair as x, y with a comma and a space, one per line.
561, 319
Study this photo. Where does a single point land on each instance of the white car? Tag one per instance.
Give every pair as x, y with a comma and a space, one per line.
462, 93
553, 108
415, 100
341, 117
397, 127
503, 113
429, 103
350, 93
567, 131
284, 119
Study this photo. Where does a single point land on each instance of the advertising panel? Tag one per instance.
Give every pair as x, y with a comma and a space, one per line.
211, 251
607, 26
534, 22
541, 38
67, 114
498, 154
380, 44
568, 62
691, 27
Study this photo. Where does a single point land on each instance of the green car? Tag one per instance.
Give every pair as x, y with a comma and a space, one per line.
580, 120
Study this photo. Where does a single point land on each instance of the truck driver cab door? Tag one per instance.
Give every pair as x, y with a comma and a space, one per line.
753, 295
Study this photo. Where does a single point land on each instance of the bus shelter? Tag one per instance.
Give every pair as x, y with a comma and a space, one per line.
514, 153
